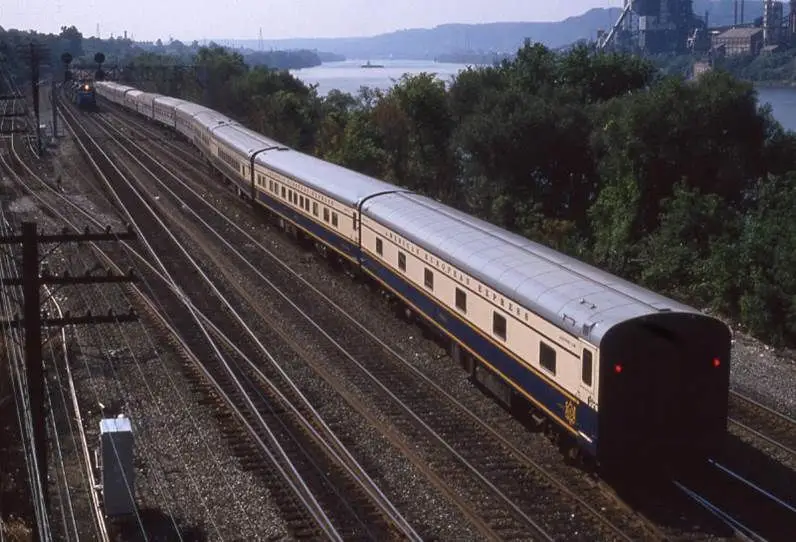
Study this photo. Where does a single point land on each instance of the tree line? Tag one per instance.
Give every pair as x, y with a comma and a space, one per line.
684, 186
120, 51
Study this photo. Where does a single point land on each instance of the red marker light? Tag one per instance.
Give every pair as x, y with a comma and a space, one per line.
716, 362
617, 368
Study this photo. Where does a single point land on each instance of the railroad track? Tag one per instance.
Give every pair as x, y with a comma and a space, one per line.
360, 510
747, 509
763, 422
499, 482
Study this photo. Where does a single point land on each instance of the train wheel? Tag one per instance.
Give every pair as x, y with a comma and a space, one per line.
408, 315
570, 450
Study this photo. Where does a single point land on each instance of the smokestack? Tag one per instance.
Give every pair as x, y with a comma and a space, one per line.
792, 18
768, 13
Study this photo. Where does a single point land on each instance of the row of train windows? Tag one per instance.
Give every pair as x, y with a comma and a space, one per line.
547, 354
301, 201
228, 158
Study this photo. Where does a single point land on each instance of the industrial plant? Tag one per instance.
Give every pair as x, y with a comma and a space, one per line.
671, 27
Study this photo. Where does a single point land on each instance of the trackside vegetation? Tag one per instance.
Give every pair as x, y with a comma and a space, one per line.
685, 186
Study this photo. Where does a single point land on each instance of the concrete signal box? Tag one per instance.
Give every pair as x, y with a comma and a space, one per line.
116, 451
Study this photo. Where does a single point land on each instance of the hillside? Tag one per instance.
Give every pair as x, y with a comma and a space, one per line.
426, 43
506, 37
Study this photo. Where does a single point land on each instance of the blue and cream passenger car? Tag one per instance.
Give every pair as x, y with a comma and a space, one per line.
623, 374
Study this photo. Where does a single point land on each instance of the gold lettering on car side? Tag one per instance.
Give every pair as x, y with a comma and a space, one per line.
571, 412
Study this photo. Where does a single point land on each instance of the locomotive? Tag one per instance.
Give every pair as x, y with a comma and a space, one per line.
85, 96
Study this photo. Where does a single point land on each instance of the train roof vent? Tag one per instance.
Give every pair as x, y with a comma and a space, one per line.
584, 301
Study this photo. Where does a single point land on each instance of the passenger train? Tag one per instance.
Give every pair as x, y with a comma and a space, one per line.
615, 373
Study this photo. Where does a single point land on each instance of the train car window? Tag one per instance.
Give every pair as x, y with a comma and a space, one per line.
307, 204
429, 279
301, 201
587, 367
334, 219
283, 192
326, 214
315, 208
499, 325
402, 261
379, 247
547, 357
461, 300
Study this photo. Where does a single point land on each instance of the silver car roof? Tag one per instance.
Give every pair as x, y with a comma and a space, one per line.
190, 109
573, 295
212, 119
148, 97
168, 100
111, 84
242, 139
335, 181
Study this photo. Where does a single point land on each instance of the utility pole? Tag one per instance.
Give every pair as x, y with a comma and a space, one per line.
34, 53
34, 77
31, 282
54, 100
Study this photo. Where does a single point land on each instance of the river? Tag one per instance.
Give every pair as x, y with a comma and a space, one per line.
348, 76
783, 104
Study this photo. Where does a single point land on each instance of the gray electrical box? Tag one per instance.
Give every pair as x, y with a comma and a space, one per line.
116, 451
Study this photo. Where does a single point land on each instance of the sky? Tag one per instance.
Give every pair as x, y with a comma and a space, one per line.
199, 19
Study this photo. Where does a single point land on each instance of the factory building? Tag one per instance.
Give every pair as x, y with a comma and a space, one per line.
670, 26
738, 41
663, 25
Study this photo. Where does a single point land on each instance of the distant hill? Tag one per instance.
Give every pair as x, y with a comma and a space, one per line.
490, 40
429, 43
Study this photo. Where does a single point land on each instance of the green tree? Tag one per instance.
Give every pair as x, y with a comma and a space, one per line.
768, 261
